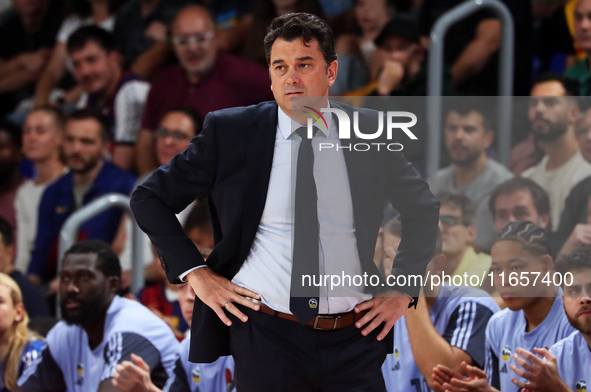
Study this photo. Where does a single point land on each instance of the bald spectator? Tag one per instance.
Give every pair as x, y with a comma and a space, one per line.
468, 134
10, 177
553, 113
205, 79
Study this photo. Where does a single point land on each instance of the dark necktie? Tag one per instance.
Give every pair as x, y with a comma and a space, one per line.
304, 300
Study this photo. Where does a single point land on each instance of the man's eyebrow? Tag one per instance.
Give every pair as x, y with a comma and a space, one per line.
305, 58
277, 61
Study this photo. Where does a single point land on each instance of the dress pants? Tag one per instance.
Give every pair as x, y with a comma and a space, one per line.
275, 355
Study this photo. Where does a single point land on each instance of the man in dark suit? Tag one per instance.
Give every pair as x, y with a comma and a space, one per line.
241, 160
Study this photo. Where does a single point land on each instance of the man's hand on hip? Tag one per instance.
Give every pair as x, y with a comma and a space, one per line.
387, 308
218, 292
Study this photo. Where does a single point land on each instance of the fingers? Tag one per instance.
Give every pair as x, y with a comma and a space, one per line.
523, 363
385, 330
520, 372
245, 292
473, 371
546, 353
364, 306
451, 388
230, 307
140, 362
245, 302
222, 315
533, 358
520, 384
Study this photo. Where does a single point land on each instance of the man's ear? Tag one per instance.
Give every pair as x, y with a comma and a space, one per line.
489, 137
114, 284
547, 262
439, 263
471, 233
331, 71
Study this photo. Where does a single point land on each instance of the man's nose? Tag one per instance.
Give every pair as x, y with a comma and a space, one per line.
293, 77
72, 287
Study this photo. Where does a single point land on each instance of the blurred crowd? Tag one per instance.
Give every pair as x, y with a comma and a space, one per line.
96, 94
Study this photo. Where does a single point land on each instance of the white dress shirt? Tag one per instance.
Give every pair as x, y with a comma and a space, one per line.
267, 268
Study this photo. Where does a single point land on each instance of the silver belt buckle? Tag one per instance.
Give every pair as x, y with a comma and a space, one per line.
320, 316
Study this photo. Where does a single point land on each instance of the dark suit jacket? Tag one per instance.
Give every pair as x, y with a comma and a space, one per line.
230, 161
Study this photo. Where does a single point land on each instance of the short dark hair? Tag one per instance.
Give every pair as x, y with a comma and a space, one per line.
107, 260
579, 258
570, 86
192, 114
485, 106
458, 201
14, 132
199, 217
6, 232
513, 185
92, 114
301, 25
86, 34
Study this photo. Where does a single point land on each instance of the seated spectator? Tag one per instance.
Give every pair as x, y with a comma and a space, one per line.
43, 145
404, 71
10, 176
429, 335
32, 298
205, 80
534, 317
99, 329
27, 36
90, 177
120, 98
20, 346
188, 376
173, 135
567, 363
141, 35
468, 134
265, 12
456, 222
359, 61
582, 26
85, 12
553, 113
519, 199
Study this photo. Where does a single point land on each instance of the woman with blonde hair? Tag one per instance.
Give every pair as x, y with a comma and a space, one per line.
18, 345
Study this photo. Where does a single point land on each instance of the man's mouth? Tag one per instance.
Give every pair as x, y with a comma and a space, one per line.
72, 304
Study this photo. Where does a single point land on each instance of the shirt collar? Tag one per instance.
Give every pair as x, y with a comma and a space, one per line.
287, 126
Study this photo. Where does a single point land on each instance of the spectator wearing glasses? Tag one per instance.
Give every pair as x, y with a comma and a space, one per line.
205, 79
456, 222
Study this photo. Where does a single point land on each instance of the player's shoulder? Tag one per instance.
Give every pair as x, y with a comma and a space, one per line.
145, 323
566, 345
465, 294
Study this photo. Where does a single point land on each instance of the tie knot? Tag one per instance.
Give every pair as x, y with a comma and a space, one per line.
303, 132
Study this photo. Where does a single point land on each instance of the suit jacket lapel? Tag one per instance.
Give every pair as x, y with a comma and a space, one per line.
260, 147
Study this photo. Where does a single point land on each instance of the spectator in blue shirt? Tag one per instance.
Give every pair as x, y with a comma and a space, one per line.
90, 177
